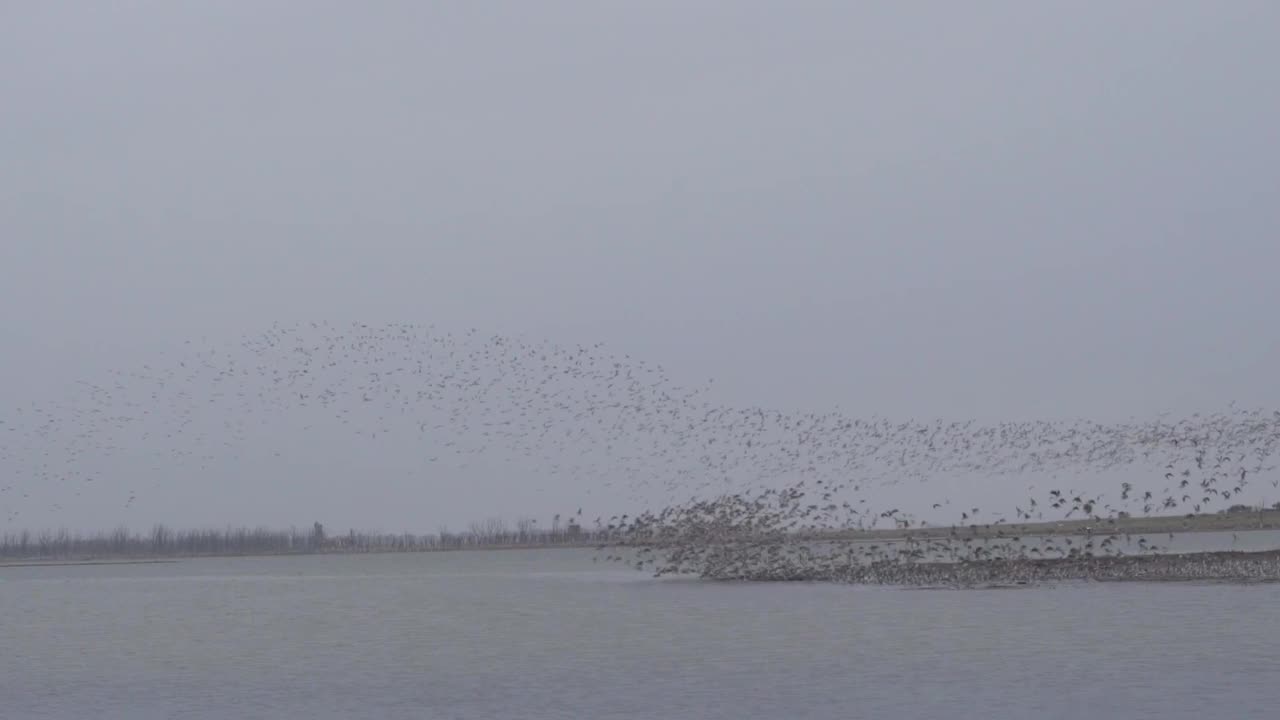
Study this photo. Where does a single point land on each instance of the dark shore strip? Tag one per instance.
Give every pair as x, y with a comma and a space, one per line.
1218, 567
1268, 519
179, 557
60, 563
164, 543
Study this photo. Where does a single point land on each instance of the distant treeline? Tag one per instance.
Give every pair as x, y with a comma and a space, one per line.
163, 541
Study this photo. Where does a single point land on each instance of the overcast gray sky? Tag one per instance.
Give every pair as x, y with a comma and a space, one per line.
984, 209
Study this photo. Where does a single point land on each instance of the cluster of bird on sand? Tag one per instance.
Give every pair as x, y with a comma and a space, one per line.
743, 492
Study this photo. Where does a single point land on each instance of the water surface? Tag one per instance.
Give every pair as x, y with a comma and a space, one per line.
548, 634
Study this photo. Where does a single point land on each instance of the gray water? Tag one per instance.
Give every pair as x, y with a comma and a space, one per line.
549, 634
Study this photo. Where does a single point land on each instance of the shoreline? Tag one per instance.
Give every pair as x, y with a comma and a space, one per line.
1258, 521
1216, 567
146, 560
56, 563
1261, 520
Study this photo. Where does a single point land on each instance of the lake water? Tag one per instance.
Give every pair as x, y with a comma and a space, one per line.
548, 634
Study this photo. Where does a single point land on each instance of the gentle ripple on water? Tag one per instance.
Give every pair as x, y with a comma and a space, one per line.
548, 634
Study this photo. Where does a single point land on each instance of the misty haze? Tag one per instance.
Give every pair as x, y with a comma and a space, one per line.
639, 360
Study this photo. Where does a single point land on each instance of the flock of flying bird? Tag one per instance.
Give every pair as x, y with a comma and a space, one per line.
746, 492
